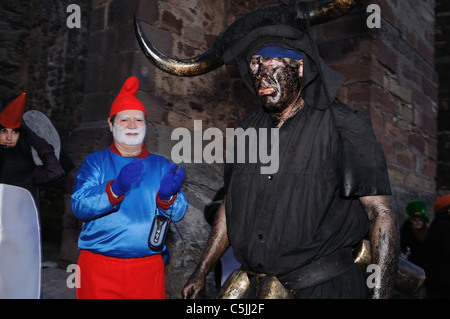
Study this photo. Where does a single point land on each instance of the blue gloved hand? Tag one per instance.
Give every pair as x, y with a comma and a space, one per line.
171, 182
129, 174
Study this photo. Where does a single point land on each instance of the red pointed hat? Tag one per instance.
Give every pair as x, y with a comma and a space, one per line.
11, 116
127, 100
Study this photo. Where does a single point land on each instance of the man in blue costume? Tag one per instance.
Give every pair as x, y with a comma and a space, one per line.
117, 192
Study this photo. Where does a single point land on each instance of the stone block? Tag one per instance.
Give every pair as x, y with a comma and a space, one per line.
69, 247
96, 106
400, 91
382, 99
153, 105
126, 39
429, 124
121, 12
118, 68
94, 74
354, 69
405, 110
416, 141
148, 11
386, 55
97, 17
171, 23
396, 175
429, 169
388, 147
99, 3
406, 159
162, 39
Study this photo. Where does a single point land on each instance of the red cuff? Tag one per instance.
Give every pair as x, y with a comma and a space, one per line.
112, 199
164, 205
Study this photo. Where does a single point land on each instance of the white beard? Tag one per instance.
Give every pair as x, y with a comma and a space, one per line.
121, 136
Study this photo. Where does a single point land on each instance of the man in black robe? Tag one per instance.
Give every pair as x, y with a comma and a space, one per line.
331, 189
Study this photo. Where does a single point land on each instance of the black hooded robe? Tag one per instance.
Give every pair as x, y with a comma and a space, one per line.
309, 208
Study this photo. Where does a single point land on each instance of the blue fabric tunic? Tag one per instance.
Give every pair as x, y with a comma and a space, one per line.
120, 231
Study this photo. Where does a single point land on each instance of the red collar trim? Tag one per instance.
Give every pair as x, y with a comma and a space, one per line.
144, 152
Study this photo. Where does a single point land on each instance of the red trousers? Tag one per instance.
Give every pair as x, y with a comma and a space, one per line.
102, 277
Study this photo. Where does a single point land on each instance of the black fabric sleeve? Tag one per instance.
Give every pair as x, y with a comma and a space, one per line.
362, 161
50, 170
227, 176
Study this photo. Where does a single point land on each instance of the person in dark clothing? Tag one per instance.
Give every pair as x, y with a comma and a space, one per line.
330, 186
297, 219
305, 217
17, 166
413, 232
437, 251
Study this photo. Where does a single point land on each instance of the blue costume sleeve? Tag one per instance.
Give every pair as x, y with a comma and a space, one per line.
89, 198
177, 209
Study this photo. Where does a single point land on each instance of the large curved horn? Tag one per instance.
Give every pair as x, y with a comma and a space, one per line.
321, 11
201, 64
318, 11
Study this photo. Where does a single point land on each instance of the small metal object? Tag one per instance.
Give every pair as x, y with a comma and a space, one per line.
409, 277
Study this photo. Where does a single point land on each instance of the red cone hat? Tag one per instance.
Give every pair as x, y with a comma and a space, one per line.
127, 100
11, 116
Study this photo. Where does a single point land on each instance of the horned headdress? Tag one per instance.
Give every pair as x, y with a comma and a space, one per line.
284, 25
294, 14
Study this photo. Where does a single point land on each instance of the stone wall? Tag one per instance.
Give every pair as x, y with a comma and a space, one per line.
405, 97
13, 19
443, 68
41, 56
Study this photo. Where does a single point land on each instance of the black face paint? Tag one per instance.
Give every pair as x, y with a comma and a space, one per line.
277, 86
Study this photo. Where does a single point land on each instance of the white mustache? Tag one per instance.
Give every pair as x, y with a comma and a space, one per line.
121, 135
132, 131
